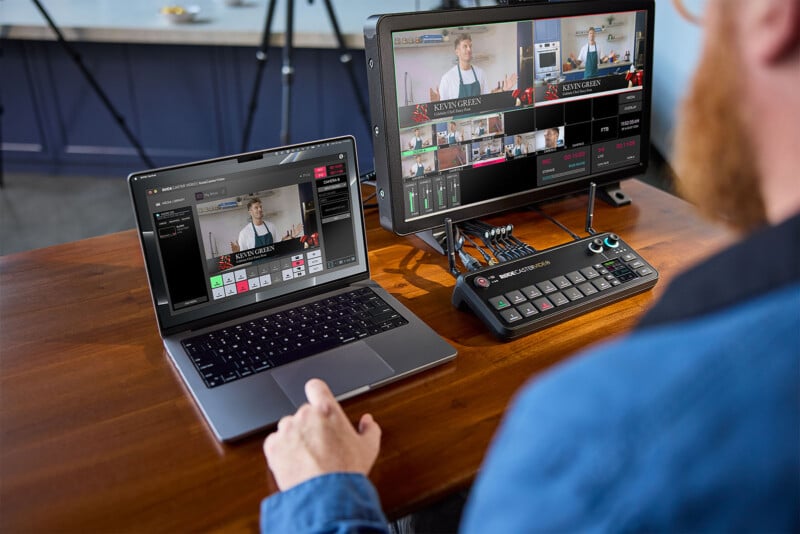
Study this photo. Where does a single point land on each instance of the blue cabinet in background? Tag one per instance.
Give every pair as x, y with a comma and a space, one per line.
181, 102
546, 31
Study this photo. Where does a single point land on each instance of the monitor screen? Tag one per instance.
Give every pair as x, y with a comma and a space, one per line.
481, 110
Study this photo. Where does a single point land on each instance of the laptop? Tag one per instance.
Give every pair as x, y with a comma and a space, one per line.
258, 271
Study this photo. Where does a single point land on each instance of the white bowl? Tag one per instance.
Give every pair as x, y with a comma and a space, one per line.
180, 14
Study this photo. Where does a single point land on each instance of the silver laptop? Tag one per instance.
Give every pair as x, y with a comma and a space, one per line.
258, 270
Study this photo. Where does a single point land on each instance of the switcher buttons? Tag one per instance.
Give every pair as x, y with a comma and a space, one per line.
515, 297
511, 315
547, 287
601, 284
543, 304
561, 282
575, 277
589, 273
573, 294
499, 303
531, 292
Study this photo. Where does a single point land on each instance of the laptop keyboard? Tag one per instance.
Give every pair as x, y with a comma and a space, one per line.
253, 346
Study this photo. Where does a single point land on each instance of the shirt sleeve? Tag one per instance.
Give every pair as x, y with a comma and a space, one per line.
448, 88
481, 78
582, 53
333, 503
245, 242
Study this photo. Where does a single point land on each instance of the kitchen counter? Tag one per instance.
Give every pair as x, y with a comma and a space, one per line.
602, 66
577, 74
216, 24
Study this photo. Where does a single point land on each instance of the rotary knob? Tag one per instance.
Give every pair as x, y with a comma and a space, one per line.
611, 241
596, 246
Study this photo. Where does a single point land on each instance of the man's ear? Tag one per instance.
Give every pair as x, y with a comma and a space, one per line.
770, 29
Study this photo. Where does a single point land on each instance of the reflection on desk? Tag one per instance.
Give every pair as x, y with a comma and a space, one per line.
98, 434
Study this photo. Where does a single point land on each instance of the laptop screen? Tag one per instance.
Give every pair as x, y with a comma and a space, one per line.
232, 235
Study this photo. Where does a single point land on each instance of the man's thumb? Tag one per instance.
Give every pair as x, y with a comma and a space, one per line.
368, 428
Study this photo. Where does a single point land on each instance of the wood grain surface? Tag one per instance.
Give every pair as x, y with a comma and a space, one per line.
98, 434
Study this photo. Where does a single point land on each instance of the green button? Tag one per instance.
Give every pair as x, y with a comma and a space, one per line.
499, 303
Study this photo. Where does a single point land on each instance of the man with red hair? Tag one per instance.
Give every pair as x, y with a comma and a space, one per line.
691, 422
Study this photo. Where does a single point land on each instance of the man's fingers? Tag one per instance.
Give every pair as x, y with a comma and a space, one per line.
268, 445
319, 394
284, 422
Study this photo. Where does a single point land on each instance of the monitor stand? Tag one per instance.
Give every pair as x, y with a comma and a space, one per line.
613, 195
435, 238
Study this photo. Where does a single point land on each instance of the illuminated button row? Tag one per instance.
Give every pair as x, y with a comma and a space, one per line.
559, 291
241, 281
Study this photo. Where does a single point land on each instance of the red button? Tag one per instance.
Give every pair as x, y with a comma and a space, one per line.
481, 282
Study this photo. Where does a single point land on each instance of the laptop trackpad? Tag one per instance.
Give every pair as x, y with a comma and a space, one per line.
345, 370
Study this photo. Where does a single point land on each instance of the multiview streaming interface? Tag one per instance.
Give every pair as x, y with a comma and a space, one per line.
486, 111
230, 237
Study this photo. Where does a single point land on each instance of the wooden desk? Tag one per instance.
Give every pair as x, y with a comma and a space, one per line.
99, 434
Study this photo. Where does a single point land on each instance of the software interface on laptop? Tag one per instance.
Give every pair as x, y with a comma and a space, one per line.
236, 232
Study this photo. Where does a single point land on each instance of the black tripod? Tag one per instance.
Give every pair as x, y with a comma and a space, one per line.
76, 57
287, 70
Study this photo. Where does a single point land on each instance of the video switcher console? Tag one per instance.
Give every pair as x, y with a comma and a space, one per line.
522, 296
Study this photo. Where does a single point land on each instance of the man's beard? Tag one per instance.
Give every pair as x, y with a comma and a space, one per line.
715, 158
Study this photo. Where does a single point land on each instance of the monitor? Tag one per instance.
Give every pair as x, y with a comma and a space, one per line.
481, 110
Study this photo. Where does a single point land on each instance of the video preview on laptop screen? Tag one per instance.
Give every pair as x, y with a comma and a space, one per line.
238, 231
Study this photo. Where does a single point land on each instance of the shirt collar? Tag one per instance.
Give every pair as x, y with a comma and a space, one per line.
766, 260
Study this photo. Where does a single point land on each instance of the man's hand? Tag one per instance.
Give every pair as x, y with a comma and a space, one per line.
433, 95
509, 82
235, 246
319, 439
294, 232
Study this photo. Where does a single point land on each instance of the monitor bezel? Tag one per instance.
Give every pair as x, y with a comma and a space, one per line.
383, 98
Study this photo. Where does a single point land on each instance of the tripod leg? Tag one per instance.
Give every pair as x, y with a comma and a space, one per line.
287, 73
347, 60
261, 57
94, 85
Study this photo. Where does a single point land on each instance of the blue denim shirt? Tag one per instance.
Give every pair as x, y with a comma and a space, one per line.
334, 503
692, 423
